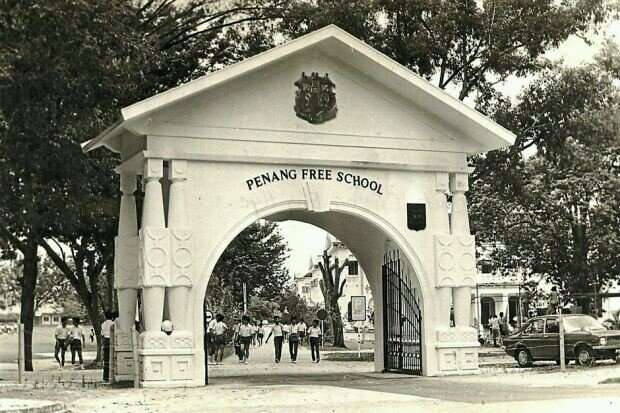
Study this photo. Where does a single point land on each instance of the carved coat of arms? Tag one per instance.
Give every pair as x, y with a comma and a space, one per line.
315, 99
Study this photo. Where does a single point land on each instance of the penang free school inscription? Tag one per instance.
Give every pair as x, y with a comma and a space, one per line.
314, 174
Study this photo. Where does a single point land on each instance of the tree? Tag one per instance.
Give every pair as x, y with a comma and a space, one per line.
555, 214
463, 46
255, 257
332, 288
52, 288
66, 68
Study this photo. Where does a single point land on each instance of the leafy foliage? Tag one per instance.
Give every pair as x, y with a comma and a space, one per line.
255, 257
555, 213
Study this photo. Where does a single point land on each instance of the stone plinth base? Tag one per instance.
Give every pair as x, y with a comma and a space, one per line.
457, 350
166, 361
123, 357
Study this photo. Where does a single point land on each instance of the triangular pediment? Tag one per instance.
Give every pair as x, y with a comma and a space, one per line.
380, 104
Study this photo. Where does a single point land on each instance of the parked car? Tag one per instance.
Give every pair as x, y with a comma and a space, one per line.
585, 340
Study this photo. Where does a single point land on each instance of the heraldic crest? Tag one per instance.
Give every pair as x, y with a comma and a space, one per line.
315, 99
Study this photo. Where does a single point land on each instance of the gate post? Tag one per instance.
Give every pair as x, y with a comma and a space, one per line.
455, 269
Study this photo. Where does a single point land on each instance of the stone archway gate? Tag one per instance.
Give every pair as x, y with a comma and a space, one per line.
323, 129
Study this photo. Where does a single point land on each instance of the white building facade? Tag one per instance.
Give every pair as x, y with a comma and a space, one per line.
308, 283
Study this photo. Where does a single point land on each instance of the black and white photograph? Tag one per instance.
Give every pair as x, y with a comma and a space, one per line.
309, 206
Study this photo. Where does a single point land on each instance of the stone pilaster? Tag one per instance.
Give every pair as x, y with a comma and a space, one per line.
126, 265
181, 248
440, 221
154, 247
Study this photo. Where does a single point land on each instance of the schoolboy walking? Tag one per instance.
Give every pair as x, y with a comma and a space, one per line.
314, 335
61, 334
246, 332
293, 340
278, 337
106, 330
77, 341
219, 329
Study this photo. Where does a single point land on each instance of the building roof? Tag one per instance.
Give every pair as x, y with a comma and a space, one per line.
335, 42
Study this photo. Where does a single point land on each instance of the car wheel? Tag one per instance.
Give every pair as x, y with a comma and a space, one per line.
523, 358
585, 356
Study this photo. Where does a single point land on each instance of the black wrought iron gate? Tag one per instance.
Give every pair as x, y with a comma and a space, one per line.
402, 320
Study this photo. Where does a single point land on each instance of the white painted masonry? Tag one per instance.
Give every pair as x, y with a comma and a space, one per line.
207, 152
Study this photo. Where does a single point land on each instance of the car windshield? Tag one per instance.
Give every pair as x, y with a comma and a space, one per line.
584, 323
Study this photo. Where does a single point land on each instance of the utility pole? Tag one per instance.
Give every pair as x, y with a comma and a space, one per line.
245, 299
561, 325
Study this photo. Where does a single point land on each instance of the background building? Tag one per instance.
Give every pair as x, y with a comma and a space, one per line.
308, 287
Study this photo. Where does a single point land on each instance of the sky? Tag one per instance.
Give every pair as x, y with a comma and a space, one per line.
306, 240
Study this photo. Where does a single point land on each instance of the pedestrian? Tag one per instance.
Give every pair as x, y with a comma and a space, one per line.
554, 301
254, 326
260, 334
293, 339
278, 337
301, 330
77, 341
246, 332
314, 335
210, 340
495, 330
219, 329
286, 329
106, 329
503, 325
60, 335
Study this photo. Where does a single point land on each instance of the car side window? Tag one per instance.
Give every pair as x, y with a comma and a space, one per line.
535, 327
552, 326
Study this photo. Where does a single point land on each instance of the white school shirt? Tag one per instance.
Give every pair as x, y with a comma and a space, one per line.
211, 325
301, 327
61, 332
276, 330
106, 328
246, 330
286, 328
314, 331
76, 333
296, 328
219, 328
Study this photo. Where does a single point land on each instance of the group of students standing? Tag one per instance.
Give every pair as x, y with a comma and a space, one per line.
69, 337
73, 337
247, 333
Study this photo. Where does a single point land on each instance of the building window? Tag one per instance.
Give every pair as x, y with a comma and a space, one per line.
486, 266
315, 282
305, 290
353, 268
46, 319
55, 319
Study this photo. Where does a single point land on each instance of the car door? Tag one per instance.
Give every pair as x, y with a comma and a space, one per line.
551, 340
533, 338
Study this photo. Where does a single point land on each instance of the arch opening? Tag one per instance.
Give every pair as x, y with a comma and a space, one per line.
366, 235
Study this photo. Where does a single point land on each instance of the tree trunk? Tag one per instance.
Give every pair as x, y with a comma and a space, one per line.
336, 322
111, 304
29, 282
91, 302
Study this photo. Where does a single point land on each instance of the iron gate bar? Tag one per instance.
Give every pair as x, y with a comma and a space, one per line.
402, 319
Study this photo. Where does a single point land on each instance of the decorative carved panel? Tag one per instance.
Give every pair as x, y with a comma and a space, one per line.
181, 246
182, 367
154, 257
455, 262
